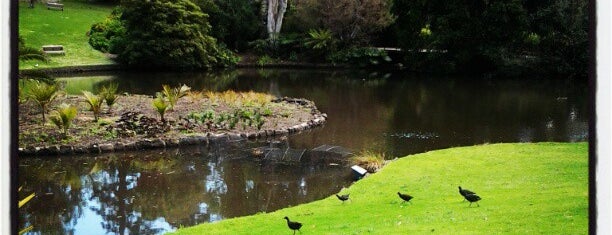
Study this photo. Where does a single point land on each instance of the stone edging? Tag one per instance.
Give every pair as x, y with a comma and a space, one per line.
192, 139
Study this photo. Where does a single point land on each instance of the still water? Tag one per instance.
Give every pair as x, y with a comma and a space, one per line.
152, 192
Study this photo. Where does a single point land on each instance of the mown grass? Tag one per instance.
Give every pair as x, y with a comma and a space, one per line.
537, 188
40, 26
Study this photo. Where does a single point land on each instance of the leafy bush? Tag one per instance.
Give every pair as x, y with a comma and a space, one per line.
105, 35
169, 34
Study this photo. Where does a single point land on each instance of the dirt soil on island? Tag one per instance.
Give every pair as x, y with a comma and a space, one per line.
133, 117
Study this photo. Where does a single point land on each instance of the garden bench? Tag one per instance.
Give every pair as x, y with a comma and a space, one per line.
55, 5
53, 49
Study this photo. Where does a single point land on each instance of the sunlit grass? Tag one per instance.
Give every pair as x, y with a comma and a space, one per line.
39, 26
525, 188
234, 98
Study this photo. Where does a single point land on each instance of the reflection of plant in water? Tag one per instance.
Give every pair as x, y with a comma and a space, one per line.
22, 202
58, 192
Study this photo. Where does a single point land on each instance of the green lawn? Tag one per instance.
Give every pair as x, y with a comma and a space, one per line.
40, 26
525, 188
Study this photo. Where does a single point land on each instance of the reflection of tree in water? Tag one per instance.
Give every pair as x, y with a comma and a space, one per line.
58, 186
143, 83
136, 192
151, 192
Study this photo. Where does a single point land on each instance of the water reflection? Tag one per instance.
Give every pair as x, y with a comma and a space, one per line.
157, 191
152, 192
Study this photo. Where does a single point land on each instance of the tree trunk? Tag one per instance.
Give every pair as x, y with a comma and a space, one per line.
276, 11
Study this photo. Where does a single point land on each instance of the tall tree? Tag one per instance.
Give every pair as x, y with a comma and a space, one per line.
275, 12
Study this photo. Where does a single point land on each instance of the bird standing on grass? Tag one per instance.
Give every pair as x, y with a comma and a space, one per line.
472, 198
405, 197
464, 192
293, 225
343, 197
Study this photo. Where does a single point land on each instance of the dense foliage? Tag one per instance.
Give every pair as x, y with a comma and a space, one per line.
510, 37
234, 22
485, 36
169, 34
106, 36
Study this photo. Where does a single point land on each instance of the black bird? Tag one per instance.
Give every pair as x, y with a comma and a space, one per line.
472, 198
343, 197
293, 225
464, 192
405, 197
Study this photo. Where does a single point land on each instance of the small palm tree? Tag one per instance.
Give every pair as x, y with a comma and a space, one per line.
30, 53
160, 106
63, 117
95, 102
321, 39
43, 94
109, 94
173, 94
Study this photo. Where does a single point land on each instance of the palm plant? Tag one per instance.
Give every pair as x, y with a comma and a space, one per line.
109, 94
95, 102
173, 94
26, 53
63, 117
43, 94
30, 53
320, 39
160, 106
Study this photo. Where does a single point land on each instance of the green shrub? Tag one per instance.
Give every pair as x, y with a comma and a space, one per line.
104, 35
63, 117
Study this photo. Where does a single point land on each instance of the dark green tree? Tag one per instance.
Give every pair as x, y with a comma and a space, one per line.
234, 22
170, 34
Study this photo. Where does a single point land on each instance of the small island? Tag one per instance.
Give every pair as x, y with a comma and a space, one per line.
175, 117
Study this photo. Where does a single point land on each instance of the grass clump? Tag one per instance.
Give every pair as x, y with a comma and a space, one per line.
369, 160
537, 188
94, 102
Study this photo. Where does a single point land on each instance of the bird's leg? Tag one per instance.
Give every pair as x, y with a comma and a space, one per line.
477, 204
470, 204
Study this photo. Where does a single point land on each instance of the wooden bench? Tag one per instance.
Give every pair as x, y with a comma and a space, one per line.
53, 49
55, 5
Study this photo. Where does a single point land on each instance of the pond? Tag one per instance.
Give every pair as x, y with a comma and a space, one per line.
156, 191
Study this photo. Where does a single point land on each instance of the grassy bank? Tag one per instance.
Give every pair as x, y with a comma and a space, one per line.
525, 188
40, 26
